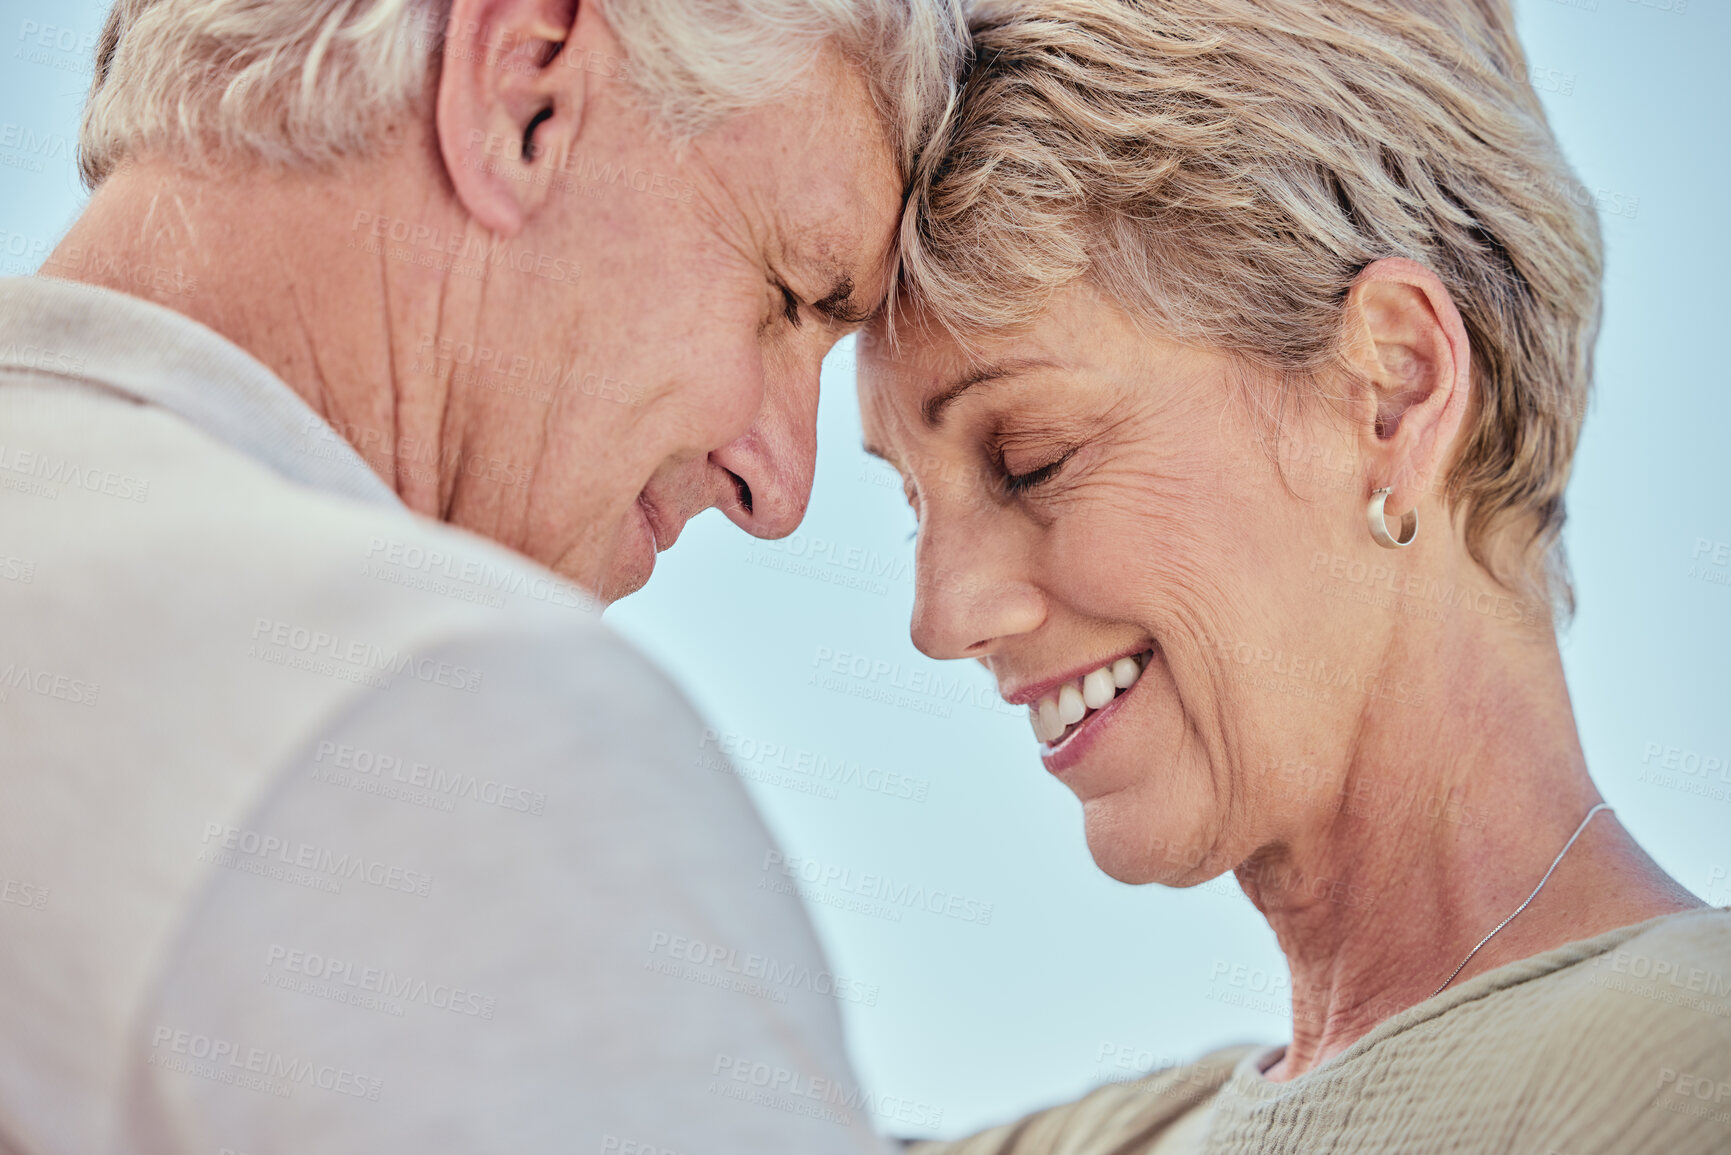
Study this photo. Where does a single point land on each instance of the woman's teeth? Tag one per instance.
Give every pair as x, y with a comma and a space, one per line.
1070, 705
1074, 701
1098, 688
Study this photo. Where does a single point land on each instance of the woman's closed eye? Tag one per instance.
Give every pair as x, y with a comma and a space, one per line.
1028, 479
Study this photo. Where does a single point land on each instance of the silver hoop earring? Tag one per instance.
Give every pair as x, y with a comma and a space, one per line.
1379, 524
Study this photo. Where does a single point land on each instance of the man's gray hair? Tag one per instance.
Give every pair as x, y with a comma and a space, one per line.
295, 82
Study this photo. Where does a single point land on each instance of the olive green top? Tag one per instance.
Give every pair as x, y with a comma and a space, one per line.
1614, 1045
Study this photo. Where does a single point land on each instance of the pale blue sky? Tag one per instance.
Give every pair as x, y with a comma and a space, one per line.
983, 1016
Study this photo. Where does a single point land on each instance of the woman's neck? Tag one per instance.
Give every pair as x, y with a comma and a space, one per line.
1448, 817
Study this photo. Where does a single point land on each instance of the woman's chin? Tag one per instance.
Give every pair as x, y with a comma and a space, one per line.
1125, 868
1138, 841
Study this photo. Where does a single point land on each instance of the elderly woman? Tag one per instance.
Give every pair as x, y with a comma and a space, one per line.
1239, 361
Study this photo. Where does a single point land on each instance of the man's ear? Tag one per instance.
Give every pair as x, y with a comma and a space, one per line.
1406, 341
506, 104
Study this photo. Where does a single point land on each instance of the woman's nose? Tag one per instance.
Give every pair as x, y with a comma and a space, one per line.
971, 593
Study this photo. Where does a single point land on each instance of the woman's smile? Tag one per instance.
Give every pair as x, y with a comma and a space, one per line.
1070, 713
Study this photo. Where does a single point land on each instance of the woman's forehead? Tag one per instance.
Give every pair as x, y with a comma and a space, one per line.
923, 363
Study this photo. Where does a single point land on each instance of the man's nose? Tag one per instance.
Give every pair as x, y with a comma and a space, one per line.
772, 462
971, 594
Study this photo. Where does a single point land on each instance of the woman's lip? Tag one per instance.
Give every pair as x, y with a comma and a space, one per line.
1073, 749
1030, 693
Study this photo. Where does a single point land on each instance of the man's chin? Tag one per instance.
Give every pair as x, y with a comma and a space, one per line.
620, 585
633, 560
610, 562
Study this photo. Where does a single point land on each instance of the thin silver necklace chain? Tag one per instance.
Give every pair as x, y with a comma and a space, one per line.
1524, 905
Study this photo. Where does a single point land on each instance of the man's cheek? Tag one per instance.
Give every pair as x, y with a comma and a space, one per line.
726, 396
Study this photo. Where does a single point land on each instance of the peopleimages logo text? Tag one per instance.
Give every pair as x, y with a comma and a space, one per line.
320, 643
381, 981
223, 1060
306, 856
876, 673
479, 571
72, 474
879, 888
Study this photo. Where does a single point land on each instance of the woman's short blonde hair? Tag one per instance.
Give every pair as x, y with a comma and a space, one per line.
1224, 169
296, 82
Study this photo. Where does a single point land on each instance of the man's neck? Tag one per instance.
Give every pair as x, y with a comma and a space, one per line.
255, 258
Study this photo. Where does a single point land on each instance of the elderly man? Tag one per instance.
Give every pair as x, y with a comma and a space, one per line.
330, 825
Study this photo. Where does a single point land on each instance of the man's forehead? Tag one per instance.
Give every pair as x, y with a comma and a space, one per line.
813, 178
840, 214
839, 211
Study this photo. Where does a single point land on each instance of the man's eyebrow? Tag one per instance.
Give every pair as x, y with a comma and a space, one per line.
839, 306
933, 408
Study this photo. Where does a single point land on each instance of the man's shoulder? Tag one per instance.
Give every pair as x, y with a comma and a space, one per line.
217, 587
191, 507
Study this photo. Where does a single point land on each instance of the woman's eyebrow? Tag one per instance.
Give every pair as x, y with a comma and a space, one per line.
934, 406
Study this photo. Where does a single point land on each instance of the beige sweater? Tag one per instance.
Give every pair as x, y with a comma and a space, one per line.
1615, 1045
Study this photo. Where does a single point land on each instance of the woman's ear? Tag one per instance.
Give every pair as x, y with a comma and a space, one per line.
507, 107
1405, 339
